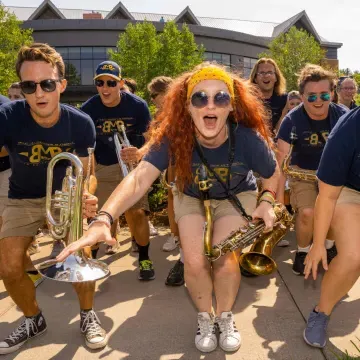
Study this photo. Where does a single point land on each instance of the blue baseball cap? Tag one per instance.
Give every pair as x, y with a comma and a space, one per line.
109, 68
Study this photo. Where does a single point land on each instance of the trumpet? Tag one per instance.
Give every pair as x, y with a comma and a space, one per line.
77, 267
121, 141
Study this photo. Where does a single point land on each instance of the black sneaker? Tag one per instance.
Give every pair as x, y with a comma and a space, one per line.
29, 328
147, 271
176, 275
331, 253
90, 327
298, 266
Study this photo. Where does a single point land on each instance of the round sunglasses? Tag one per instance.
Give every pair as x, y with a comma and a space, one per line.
324, 97
109, 83
29, 87
200, 99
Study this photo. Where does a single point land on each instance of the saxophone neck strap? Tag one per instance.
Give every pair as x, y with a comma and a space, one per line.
231, 157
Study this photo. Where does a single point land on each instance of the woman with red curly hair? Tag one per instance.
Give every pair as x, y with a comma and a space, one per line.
222, 115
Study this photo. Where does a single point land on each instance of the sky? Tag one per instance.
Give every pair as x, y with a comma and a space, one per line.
335, 20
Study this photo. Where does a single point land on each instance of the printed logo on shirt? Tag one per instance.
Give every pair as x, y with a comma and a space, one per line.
313, 138
109, 126
221, 171
40, 152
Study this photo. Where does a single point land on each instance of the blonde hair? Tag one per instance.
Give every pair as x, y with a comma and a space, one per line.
40, 52
280, 84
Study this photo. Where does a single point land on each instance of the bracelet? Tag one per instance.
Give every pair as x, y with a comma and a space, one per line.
98, 220
273, 193
272, 204
267, 196
111, 219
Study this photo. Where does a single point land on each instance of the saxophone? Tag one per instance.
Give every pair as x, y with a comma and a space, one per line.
257, 260
296, 173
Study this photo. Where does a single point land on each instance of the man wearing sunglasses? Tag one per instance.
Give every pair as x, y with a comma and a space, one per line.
312, 122
109, 110
33, 131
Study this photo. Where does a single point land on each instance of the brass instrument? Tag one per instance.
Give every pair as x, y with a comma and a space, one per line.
121, 141
257, 260
77, 267
296, 173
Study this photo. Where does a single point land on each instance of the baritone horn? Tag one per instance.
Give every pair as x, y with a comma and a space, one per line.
67, 222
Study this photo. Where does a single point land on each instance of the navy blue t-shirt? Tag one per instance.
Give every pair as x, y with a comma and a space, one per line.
276, 106
340, 162
251, 154
32, 146
311, 134
132, 112
5, 160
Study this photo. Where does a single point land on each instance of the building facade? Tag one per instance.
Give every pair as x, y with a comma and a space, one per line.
84, 37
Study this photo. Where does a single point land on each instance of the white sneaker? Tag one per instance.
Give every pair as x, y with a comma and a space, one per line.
283, 243
205, 339
230, 338
171, 243
153, 231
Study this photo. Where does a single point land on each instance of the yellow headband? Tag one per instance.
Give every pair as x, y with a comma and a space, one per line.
210, 73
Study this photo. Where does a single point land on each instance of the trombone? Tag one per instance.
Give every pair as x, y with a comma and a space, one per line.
77, 267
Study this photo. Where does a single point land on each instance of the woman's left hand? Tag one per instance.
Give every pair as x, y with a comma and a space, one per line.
266, 212
90, 205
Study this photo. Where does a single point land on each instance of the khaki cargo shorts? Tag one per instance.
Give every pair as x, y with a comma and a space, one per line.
303, 194
349, 196
23, 217
4, 188
108, 178
185, 205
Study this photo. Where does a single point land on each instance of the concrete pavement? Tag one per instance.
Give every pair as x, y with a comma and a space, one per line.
154, 322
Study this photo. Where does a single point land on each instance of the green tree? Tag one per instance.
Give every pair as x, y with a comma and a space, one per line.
12, 37
144, 54
292, 51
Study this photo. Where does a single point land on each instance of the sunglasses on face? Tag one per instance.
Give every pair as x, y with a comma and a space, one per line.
109, 83
200, 99
29, 87
324, 97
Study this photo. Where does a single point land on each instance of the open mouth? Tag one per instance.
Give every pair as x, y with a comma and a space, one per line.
318, 106
267, 82
210, 121
41, 104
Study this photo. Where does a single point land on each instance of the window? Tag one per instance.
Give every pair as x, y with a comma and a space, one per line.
223, 59
248, 64
81, 62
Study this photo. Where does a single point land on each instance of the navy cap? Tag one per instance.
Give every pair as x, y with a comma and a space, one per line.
109, 68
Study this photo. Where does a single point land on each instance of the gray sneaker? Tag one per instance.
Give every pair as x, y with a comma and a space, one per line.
315, 331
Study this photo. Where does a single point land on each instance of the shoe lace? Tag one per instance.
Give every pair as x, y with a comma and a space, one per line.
226, 325
91, 324
206, 326
318, 321
28, 324
145, 265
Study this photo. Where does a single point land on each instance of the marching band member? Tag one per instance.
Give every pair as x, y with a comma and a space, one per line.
337, 207
221, 113
313, 121
33, 131
109, 110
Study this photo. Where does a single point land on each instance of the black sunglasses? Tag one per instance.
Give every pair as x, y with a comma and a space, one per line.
109, 83
200, 99
29, 87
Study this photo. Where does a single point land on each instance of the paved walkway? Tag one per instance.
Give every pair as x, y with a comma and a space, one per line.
149, 321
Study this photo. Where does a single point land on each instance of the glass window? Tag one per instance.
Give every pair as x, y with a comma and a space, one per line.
64, 52
99, 53
217, 57
86, 52
249, 63
87, 72
226, 59
208, 56
74, 53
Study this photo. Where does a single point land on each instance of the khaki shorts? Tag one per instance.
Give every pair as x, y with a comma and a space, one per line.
23, 217
349, 196
4, 183
303, 194
108, 178
185, 205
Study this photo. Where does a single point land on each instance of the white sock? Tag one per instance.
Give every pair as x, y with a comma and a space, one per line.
304, 249
329, 244
181, 255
